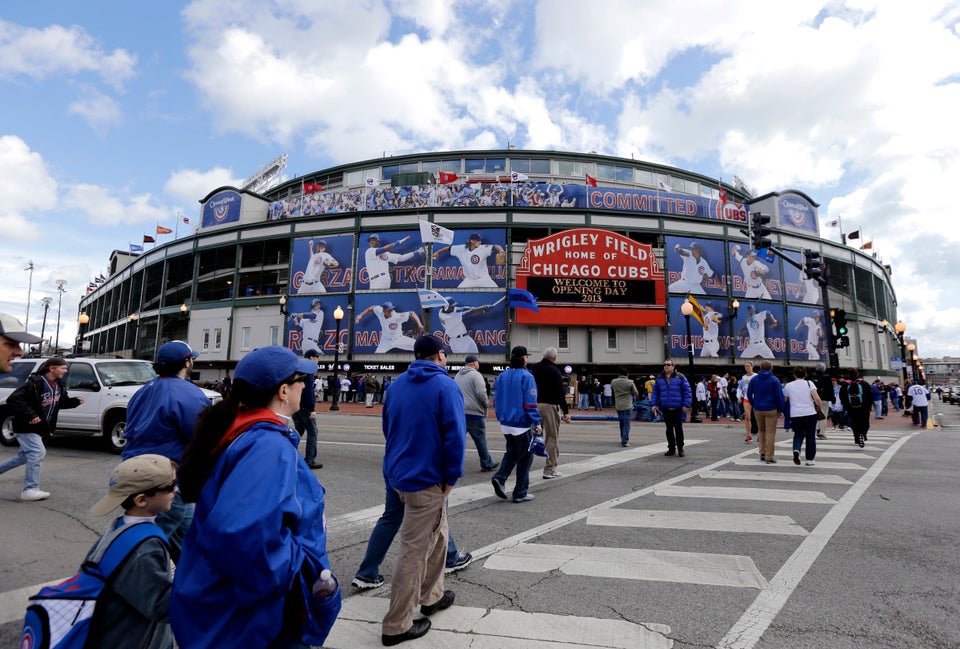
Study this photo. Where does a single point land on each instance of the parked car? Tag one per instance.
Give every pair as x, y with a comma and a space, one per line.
951, 394
106, 384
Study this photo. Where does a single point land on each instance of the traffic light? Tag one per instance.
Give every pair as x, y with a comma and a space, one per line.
839, 318
759, 231
812, 264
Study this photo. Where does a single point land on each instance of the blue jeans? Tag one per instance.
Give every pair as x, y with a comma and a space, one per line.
596, 401
174, 524
919, 417
31, 453
304, 423
878, 408
518, 455
584, 403
382, 536
623, 416
477, 427
805, 430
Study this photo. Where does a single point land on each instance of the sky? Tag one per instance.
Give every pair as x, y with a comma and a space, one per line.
116, 116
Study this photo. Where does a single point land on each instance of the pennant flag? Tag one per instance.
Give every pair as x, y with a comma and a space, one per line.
430, 299
664, 187
186, 219
854, 235
163, 230
148, 239
867, 246
101, 278
723, 196
521, 299
371, 181
433, 233
445, 178
834, 223
134, 247
591, 181
309, 188
516, 177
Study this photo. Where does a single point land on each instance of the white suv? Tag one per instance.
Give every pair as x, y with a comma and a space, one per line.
106, 384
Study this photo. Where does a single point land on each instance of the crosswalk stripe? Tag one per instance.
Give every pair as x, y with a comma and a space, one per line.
847, 446
774, 476
465, 627
628, 563
755, 461
687, 520
739, 493
848, 456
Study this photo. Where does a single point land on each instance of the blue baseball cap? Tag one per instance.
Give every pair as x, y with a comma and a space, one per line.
174, 352
268, 367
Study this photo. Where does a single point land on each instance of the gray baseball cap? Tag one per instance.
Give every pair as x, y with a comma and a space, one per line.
12, 329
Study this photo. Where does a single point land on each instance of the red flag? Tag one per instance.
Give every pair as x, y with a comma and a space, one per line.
309, 188
867, 246
723, 196
447, 178
591, 181
163, 230
148, 239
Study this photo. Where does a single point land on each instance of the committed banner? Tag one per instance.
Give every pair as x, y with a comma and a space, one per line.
587, 276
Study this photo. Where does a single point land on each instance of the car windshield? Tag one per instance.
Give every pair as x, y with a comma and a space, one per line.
125, 373
16, 378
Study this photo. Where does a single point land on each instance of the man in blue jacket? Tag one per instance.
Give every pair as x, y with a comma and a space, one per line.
426, 438
515, 402
765, 395
672, 398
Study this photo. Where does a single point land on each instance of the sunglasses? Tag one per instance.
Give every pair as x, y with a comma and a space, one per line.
170, 488
667, 364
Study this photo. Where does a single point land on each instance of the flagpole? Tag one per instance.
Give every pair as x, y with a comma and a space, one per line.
843, 237
176, 228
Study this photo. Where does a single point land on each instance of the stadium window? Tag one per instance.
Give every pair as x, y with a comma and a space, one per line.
389, 171
274, 335
624, 174
206, 340
245, 339
573, 169
612, 339
691, 187
644, 178
533, 337
217, 339
563, 338
475, 166
640, 339
446, 166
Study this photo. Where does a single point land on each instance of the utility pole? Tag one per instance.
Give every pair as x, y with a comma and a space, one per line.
26, 320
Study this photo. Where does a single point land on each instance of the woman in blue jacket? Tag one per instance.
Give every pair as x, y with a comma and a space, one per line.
257, 544
672, 397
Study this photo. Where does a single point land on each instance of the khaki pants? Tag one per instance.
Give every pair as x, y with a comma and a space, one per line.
766, 431
550, 420
418, 577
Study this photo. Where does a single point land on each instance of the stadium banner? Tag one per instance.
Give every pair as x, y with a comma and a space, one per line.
798, 287
322, 264
808, 333
759, 331
753, 276
696, 266
711, 339
588, 276
476, 259
391, 260
387, 323
798, 213
471, 322
222, 208
310, 324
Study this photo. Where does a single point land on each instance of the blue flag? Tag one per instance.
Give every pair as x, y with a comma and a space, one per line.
136, 247
521, 299
430, 299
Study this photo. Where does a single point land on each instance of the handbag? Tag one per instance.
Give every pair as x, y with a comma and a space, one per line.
538, 446
820, 414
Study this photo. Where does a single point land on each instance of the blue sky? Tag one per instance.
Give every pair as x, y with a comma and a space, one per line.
118, 115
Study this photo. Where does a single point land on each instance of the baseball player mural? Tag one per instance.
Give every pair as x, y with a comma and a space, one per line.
759, 279
306, 323
711, 331
799, 287
715, 339
316, 265
807, 337
478, 262
381, 259
689, 269
396, 328
758, 343
462, 323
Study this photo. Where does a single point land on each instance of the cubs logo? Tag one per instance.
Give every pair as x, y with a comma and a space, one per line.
393, 326
701, 270
474, 259
383, 256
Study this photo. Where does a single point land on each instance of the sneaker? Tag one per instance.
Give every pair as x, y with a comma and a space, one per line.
463, 560
498, 487
418, 629
821, 436
748, 439
796, 458
445, 602
625, 444
30, 495
860, 443
670, 452
315, 465
810, 463
487, 469
771, 460
551, 476
763, 459
363, 584
524, 499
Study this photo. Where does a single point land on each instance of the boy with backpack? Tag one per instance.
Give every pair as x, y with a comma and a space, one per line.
857, 398
121, 594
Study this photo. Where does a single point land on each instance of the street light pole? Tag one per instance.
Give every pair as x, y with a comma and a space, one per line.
43, 328
60, 284
899, 328
687, 309
82, 321
335, 388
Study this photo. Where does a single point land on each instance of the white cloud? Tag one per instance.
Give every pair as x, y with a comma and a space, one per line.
102, 208
190, 185
57, 50
27, 188
99, 110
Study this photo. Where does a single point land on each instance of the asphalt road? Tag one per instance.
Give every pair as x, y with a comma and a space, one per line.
628, 549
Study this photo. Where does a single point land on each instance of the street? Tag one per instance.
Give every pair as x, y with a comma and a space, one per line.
630, 549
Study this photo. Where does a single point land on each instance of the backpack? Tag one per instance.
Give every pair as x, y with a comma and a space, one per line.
855, 396
60, 616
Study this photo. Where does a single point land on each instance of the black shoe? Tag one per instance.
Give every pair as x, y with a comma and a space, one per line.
315, 465
487, 469
417, 630
445, 602
796, 458
670, 452
680, 452
763, 459
860, 443
498, 487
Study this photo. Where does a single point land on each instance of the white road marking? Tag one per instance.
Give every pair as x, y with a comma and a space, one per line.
13, 603
778, 476
628, 563
755, 461
748, 630
687, 520
739, 493
464, 627
847, 456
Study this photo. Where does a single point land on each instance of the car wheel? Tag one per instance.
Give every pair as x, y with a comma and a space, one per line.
113, 433
7, 437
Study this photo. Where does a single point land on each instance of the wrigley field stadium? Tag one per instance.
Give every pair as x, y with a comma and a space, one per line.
485, 250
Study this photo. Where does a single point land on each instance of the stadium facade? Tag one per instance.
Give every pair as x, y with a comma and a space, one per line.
608, 247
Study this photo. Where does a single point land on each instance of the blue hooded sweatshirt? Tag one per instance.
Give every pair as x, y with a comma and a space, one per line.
765, 392
425, 429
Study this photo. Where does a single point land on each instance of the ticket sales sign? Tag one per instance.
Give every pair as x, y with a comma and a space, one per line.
588, 276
